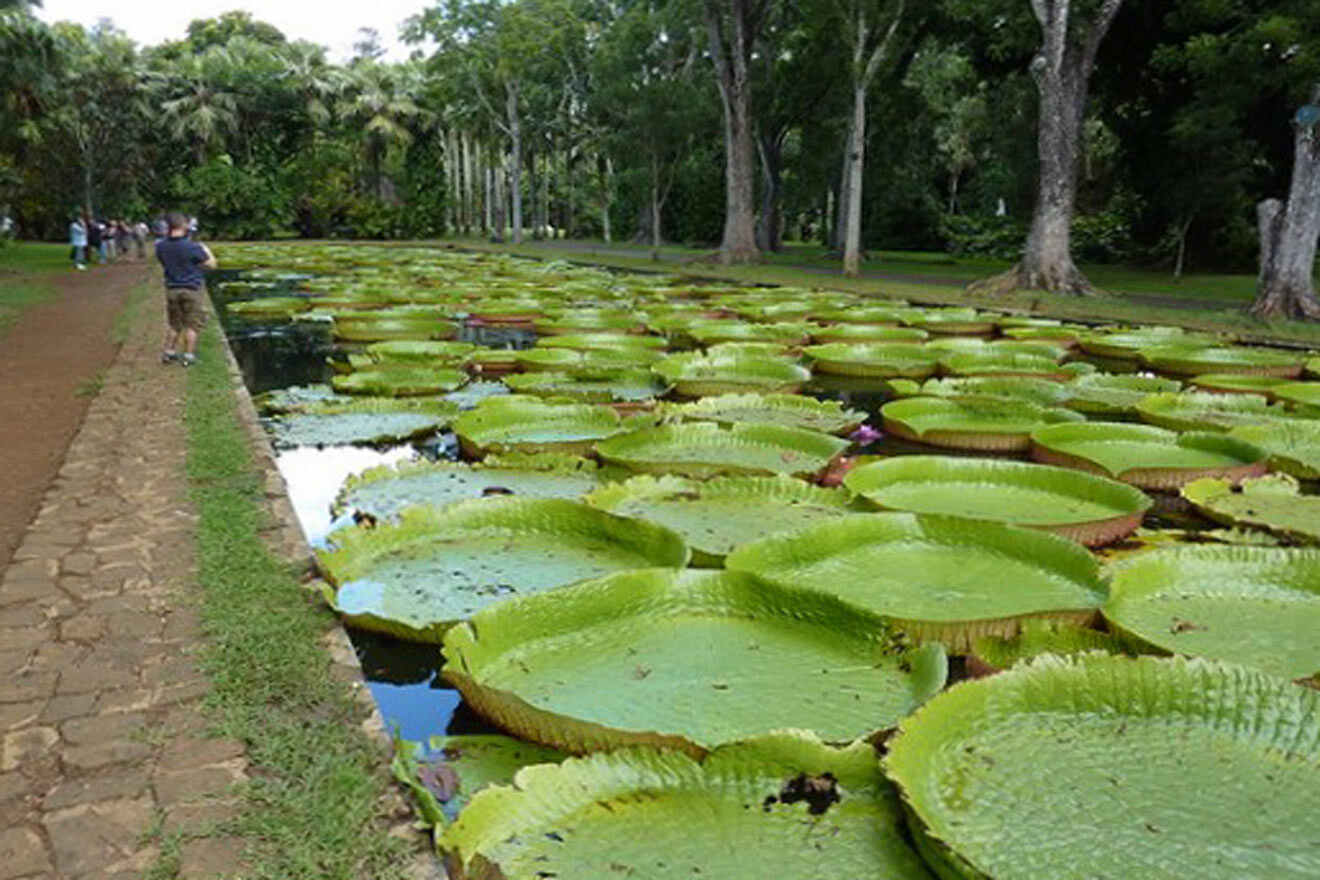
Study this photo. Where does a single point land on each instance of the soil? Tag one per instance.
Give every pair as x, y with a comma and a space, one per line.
50, 360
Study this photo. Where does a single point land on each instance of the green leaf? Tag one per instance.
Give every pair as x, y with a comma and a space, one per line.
400, 381
876, 359
686, 660
996, 653
725, 817
1272, 503
413, 578
1207, 411
788, 410
714, 516
981, 423
705, 449
1186, 360
522, 423
699, 375
1293, 446
940, 578
1108, 394
1126, 749
1087, 508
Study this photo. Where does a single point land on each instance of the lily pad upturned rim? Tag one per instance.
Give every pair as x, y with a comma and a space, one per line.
783, 558
492, 426
1293, 445
700, 375
956, 431
879, 359
813, 411
1216, 571
629, 449
1051, 446
983, 475
543, 796
1255, 710
354, 551
763, 493
511, 630
1207, 410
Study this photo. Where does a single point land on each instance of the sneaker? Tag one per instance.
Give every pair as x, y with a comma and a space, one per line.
169, 357
187, 360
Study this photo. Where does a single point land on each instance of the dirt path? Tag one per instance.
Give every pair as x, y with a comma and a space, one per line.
50, 362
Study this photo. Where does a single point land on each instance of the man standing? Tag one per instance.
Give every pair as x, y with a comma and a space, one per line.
185, 308
78, 242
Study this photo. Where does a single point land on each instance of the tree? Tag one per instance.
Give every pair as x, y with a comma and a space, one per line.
199, 109
1289, 230
380, 103
871, 26
1070, 37
733, 27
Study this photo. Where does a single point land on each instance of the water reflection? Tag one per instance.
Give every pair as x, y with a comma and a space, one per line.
314, 476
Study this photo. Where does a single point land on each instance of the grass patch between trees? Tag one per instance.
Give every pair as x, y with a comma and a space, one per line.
312, 808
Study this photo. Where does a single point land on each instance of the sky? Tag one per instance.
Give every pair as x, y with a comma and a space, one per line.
333, 25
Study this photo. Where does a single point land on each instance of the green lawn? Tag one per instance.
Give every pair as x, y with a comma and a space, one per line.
25, 270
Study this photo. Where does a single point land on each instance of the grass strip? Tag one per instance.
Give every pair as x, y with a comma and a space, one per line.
312, 808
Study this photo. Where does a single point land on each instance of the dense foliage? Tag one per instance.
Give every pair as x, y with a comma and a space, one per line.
568, 117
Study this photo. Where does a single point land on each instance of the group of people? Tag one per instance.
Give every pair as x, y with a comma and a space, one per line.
108, 241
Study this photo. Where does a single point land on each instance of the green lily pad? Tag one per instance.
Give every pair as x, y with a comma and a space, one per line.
685, 659
751, 349
878, 359
1207, 411
371, 327
867, 333
590, 362
1087, 508
981, 423
1239, 383
1146, 456
738, 813
1042, 392
1272, 503
1258, 606
400, 382
445, 775
421, 351
610, 387
996, 364
413, 578
1055, 333
706, 449
1293, 445
353, 428
1191, 360
588, 321
714, 516
887, 314
711, 332
1127, 344
789, 410
698, 375
268, 307
476, 391
521, 423
954, 321
1303, 397
296, 398
382, 492
1109, 394
940, 578
991, 654
604, 342
1126, 749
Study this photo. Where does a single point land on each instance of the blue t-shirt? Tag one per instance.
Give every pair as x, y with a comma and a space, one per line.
182, 260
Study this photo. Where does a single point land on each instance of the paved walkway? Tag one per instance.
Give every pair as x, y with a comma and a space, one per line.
102, 735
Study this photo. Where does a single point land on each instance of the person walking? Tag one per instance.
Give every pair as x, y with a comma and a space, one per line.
123, 237
185, 300
95, 240
78, 243
140, 233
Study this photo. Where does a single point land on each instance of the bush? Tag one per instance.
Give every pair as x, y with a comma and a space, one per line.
233, 202
1103, 237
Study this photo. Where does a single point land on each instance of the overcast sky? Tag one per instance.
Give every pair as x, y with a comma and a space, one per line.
333, 25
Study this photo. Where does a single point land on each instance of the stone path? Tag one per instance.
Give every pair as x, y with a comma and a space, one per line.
99, 710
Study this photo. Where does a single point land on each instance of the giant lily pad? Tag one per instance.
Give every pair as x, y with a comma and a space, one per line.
1239, 383
1127, 344
867, 333
1146, 456
714, 516
270, 307
421, 351
739, 813
991, 654
372, 327
986, 423
1207, 411
1272, 503
705, 449
603, 342
590, 362
1304, 397
789, 410
1126, 749
954, 321
1108, 394
940, 578
711, 332
414, 577
1087, 508
612, 386
880, 359
1258, 606
384, 491
400, 382
1043, 392
351, 426
685, 659
521, 423
996, 364
1293, 445
698, 375
1189, 361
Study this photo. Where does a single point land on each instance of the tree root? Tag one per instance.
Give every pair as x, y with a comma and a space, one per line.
1286, 303
1065, 280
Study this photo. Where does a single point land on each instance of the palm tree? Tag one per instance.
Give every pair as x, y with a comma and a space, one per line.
381, 102
201, 111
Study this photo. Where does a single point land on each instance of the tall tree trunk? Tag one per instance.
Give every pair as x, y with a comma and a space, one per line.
852, 241
534, 188
770, 149
1288, 234
655, 208
1062, 71
731, 39
515, 157
607, 199
838, 229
